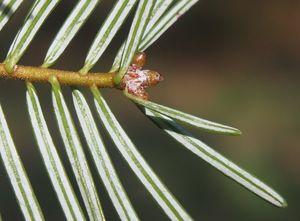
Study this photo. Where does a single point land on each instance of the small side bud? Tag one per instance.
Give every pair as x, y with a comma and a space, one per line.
139, 59
141, 93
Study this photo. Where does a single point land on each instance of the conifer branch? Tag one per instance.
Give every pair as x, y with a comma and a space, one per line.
39, 74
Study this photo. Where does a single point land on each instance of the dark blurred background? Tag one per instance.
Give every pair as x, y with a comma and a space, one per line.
233, 62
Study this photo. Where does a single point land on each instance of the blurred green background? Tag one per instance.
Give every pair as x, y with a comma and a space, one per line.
233, 62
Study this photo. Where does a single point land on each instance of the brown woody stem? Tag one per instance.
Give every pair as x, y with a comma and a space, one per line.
39, 74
